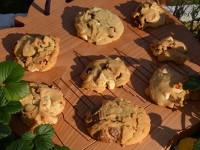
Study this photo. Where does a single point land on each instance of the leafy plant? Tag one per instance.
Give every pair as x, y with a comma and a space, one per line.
4, 131
7, 108
197, 145
10, 87
10, 76
60, 148
192, 83
39, 139
4, 142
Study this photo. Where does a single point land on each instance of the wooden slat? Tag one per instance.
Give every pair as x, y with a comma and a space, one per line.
75, 54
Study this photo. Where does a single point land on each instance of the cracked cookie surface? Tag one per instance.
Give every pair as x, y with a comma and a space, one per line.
37, 53
150, 14
103, 73
42, 105
165, 87
98, 26
118, 121
169, 49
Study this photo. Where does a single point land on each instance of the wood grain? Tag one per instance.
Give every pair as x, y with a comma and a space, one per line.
75, 54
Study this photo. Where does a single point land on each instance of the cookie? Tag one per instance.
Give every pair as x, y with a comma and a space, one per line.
37, 53
118, 121
98, 26
166, 89
103, 73
42, 105
150, 14
169, 49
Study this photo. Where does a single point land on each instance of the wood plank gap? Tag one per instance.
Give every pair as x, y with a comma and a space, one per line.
89, 145
59, 139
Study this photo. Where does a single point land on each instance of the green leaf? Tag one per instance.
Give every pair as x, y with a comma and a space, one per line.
16, 91
10, 72
192, 83
7, 140
43, 139
4, 117
4, 131
29, 137
12, 107
3, 100
7, 108
60, 148
197, 145
43, 142
45, 129
19, 145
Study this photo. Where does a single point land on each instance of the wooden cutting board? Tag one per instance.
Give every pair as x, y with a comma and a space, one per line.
75, 54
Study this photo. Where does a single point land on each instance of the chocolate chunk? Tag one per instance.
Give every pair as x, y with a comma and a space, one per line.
114, 133
102, 136
89, 70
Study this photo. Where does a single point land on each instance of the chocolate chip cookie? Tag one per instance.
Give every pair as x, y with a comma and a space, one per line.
37, 53
118, 121
98, 26
42, 105
169, 49
103, 73
166, 88
150, 14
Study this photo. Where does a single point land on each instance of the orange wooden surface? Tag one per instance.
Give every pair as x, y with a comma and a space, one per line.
75, 54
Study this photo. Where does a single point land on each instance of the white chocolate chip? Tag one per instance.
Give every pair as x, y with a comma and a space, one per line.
111, 84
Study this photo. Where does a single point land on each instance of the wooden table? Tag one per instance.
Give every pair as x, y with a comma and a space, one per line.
75, 54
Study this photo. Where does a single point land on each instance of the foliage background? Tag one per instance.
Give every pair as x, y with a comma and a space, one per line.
188, 8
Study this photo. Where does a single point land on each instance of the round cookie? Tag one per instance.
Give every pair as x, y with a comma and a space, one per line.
150, 14
103, 73
165, 87
118, 121
169, 49
98, 26
42, 105
37, 53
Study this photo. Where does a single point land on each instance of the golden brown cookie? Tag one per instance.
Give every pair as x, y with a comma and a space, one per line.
118, 121
37, 53
169, 49
98, 26
150, 14
103, 73
165, 87
42, 105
